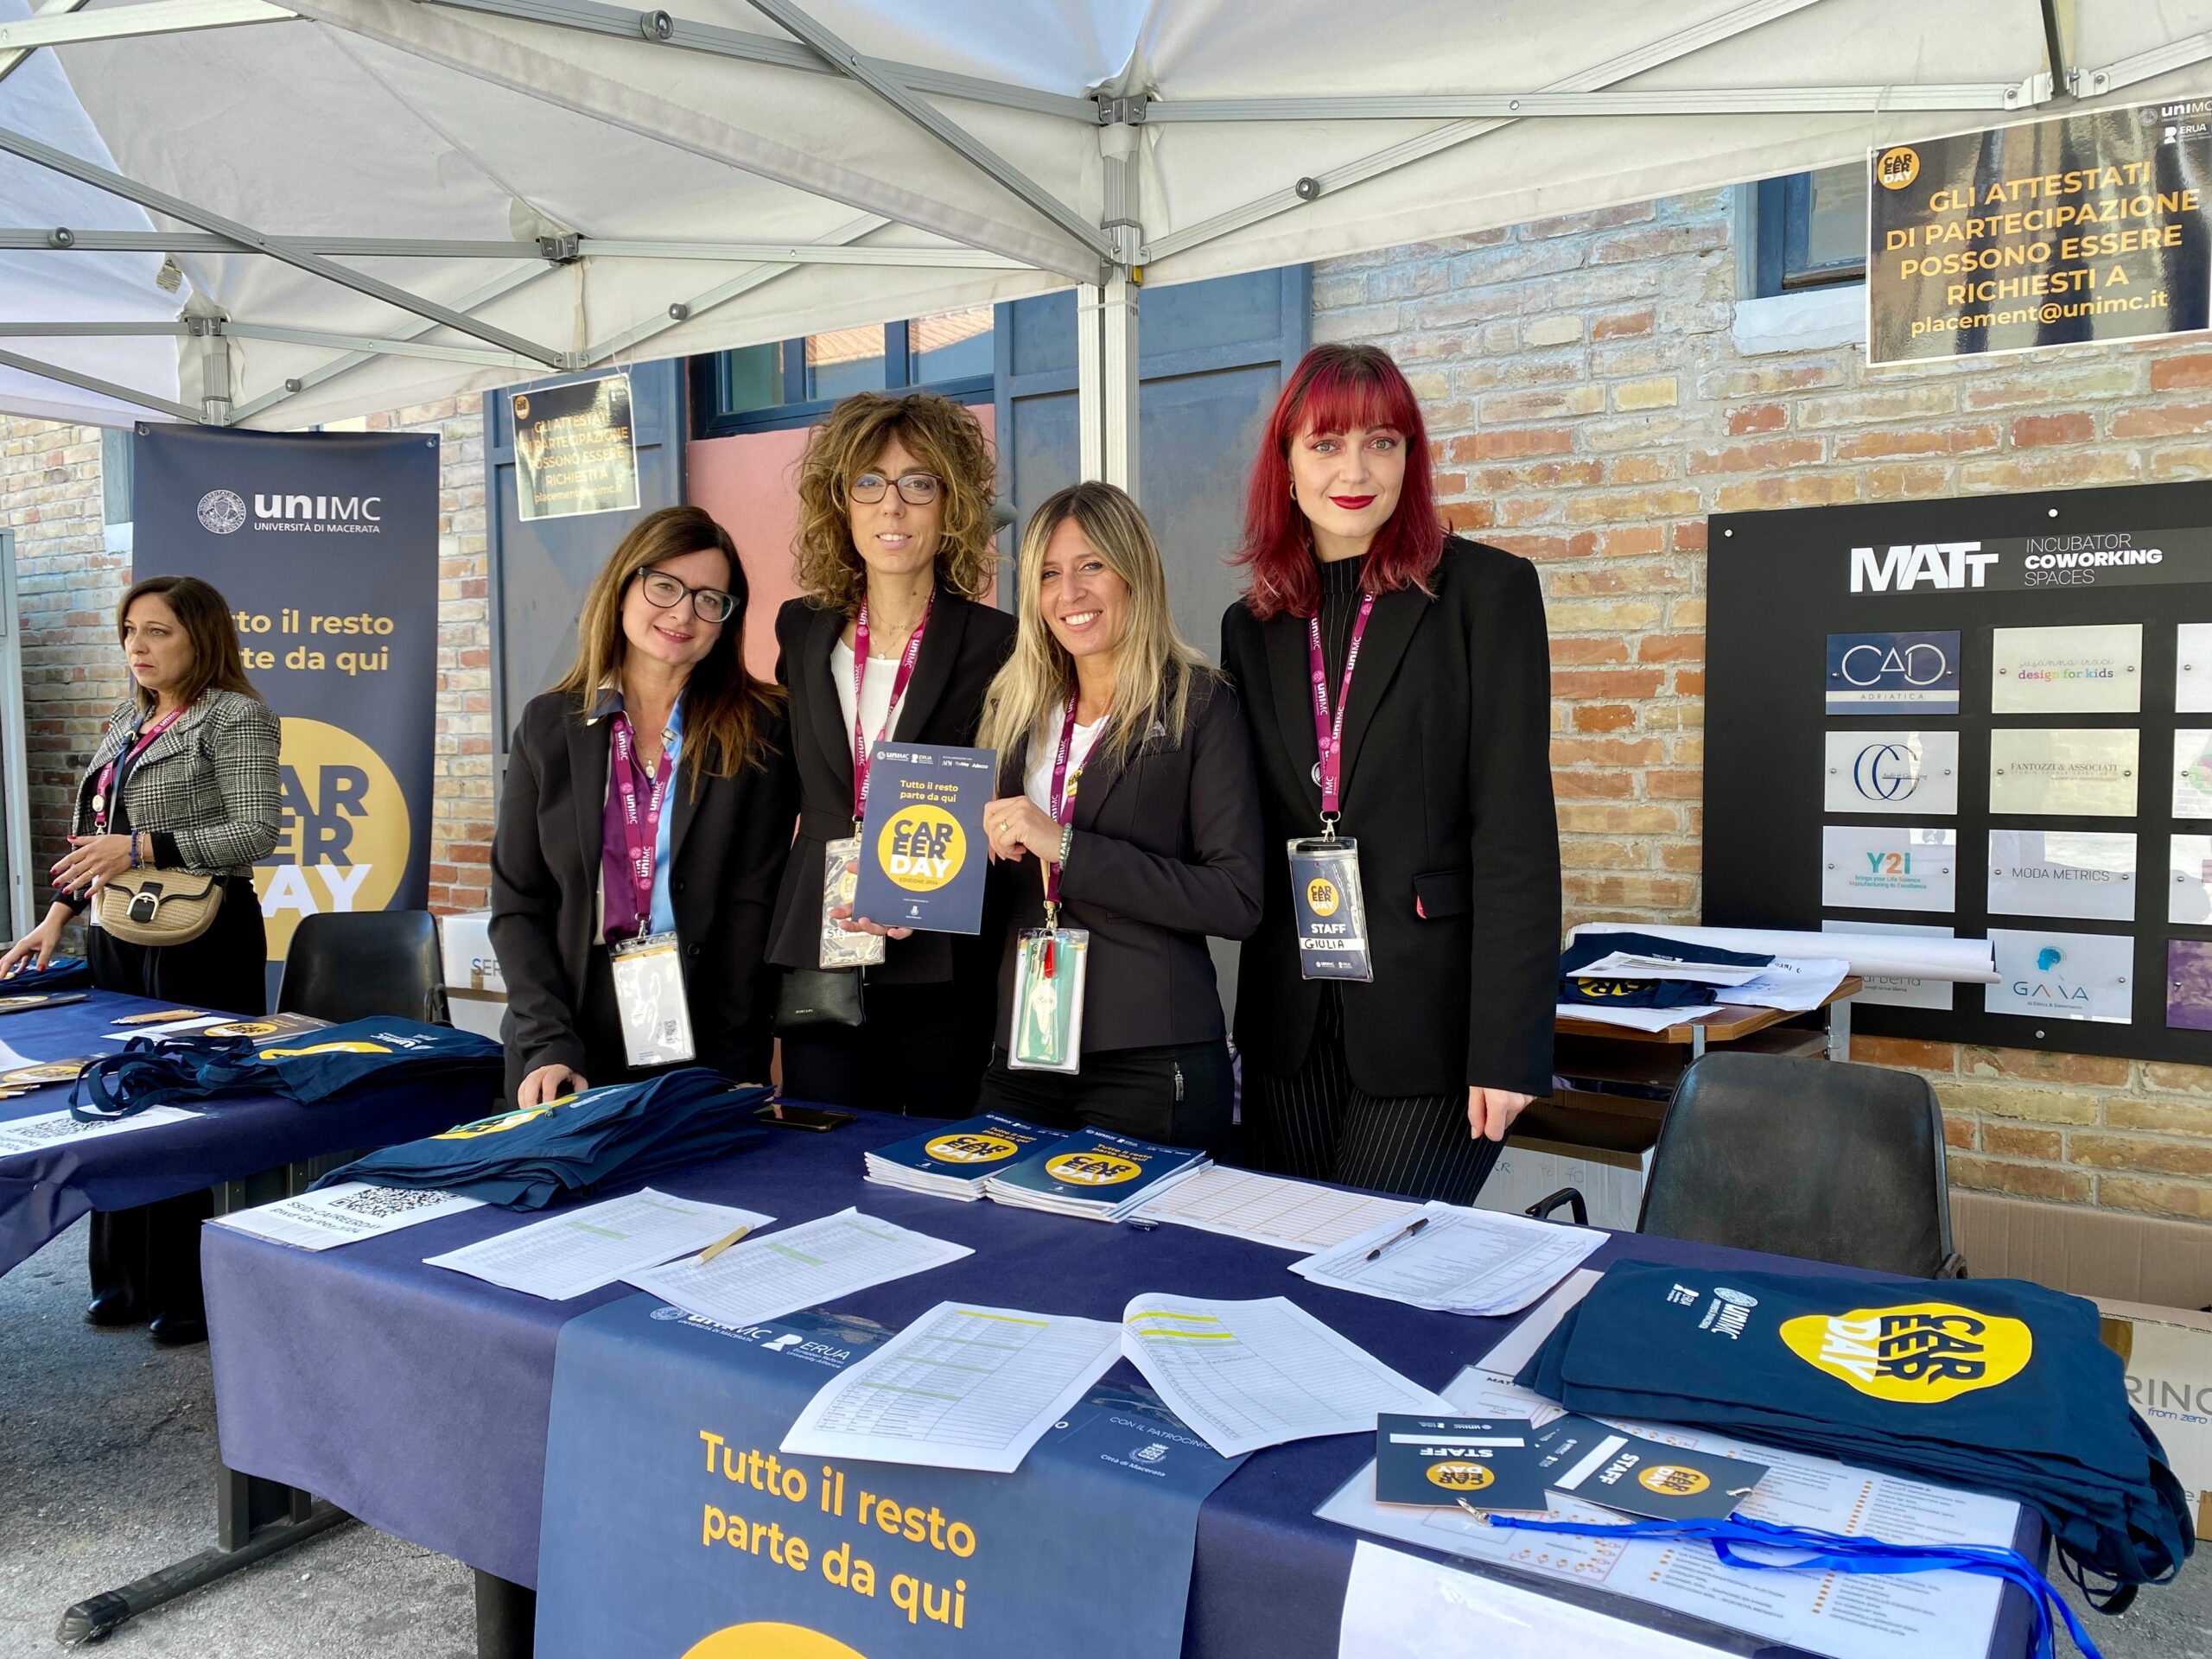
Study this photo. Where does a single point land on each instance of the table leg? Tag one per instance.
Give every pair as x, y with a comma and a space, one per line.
1839, 1029
506, 1619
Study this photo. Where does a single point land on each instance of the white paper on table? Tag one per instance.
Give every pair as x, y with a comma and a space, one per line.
2193, 669
2079, 771
963, 1387
168, 1028
578, 1250
2189, 869
1519, 1344
1399, 1606
1479, 1262
1245, 1374
1889, 948
2095, 670
60, 1129
817, 1261
345, 1214
2079, 872
1794, 986
10, 1060
1630, 964
1268, 1209
1891, 771
1900, 868
1861, 1616
1637, 1019
1895, 989
2062, 975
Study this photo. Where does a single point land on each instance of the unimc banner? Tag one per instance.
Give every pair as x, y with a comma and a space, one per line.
326, 546
674, 1528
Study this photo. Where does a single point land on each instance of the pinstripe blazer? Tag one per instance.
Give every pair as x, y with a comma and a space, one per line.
210, 780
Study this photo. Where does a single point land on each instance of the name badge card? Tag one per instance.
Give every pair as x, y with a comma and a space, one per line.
1051, 968
2062, 873
841, 880
2079, 772
1331, 910
1888, 869
649, 996
2062, 975
2088, 671
923, 849
1892, 771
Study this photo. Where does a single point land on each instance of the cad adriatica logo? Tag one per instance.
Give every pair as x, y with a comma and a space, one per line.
222, 511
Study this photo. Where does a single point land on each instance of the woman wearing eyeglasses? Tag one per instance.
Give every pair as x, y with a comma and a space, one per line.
892, 640
642, 830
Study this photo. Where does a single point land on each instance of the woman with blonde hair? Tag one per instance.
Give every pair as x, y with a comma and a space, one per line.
645, 814
1131, 816
892, 639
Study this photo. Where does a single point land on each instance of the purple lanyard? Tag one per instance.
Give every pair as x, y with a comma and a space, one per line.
640, 823
907, 660
1063, 799
104, 796
1329, 734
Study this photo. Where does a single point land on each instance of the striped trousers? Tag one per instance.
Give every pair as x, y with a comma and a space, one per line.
1316, 1124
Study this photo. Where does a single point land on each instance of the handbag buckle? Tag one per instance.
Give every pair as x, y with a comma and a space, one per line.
144, 904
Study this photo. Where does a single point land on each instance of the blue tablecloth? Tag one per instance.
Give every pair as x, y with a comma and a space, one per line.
417, 1398
42, 1192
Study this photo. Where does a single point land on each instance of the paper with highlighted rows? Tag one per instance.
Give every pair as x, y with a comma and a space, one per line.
1245, 1374
963, 1387
577, 1251
344, 1214
1473, 1261
1268, 1209
805, 1265
49, 1130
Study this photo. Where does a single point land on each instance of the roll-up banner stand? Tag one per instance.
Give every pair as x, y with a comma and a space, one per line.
14, 749
326, 546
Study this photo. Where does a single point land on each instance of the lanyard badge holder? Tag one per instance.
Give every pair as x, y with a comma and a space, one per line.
647, 966
1326, 899
840, 859
1052, 963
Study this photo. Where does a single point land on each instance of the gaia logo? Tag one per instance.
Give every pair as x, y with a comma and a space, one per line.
1886, 771
1091, 1169
345, 834
768, 1640
969, 1148
922, 848
1321, 896
1672, 1480
1458, 1476
222, 511
1916, 1353
2049, 959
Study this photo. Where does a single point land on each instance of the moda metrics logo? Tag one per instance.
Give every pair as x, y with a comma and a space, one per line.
222, 511
1902, 567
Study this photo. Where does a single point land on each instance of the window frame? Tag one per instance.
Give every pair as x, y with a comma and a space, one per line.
1781, 223
712, 417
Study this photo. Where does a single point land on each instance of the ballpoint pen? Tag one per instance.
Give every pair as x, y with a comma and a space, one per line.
1398, 1237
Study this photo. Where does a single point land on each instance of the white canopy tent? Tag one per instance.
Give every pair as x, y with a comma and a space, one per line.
266, 215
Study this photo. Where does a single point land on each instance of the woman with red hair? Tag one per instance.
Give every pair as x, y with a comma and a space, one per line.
1393, 1010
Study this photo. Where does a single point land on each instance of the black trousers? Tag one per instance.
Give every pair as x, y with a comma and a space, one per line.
151, 1254
1177, 1096
742, 1057
1315, 1123
921, 1053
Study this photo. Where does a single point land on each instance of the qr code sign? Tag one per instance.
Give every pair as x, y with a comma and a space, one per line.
382, 1203
38, 1131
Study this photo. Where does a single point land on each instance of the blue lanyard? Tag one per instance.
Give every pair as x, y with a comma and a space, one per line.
1831, 1552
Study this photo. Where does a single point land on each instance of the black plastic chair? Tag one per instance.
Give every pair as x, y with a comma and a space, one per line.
356, 964
1816, 1159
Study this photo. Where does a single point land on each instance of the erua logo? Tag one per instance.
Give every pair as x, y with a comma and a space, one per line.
1902, 567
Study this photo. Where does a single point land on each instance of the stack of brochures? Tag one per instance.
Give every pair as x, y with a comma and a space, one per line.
954, 1161
1094, 1174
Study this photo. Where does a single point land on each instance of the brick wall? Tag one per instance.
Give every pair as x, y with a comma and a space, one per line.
1589, 406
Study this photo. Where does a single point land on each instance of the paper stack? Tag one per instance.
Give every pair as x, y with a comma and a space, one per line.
1451, 1259
954, 1161
1092, 1173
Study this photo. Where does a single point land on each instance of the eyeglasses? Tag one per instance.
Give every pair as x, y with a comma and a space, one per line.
665, 591
915, 489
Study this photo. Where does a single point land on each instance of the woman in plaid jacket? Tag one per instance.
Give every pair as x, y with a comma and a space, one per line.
185, 777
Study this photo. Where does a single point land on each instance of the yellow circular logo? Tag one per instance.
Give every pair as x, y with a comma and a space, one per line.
1457, 1477
324, 1048
1321, 896
922, 848
969, 1148
240, 1028
1091, 1169
1672, 1480
1920, 1352
498, 1125
343, 837
766, 1640
1898, 167
52, 1071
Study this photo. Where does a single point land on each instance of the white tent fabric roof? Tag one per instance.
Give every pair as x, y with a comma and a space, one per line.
959, 141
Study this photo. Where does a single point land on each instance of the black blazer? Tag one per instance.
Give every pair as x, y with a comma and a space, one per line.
965, 646
1447, 788
1166, 850
726, 849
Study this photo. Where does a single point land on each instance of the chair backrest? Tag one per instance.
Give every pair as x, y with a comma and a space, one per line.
356, 964
1811, 1158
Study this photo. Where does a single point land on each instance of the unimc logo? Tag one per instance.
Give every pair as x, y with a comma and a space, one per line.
1091, 1169
969, 1148
323, 1048
922, 848
345, 832
1321, 896
1919, 1353
221, 512
1459, 1477
768, 1640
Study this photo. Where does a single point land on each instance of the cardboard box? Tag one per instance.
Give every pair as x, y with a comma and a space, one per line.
2169, 1358
1611, 1183
476, 991
2071, 1247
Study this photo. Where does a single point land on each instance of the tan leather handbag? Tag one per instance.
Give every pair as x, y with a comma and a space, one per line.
160, 907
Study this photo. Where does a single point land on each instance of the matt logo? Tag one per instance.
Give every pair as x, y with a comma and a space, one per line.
1868, 672
1901, 568
1917, 1353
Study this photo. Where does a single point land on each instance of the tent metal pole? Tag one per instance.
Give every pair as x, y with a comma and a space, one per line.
2158, 61
150, 17
1763, 100
89, 330
11, 58
69, 239
105, 388
251, 240
902, 98
379, 345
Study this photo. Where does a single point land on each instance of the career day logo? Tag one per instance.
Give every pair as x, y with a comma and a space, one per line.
1916, 1353
222, 511
1091, 1169
1457, 1476
499, 1125
345, 834
969, 1148
1321, 896
1898, 167
768, 1640
1672, 1480
241, 1028
922, 848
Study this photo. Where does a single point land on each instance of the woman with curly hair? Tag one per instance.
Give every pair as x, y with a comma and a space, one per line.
890, 641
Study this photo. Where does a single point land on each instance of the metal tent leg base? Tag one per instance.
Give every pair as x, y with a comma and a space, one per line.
506, 1619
